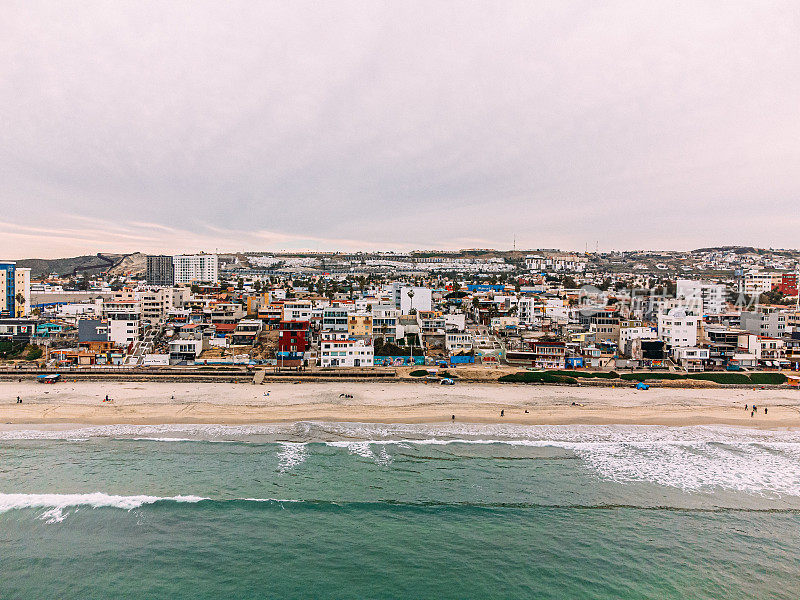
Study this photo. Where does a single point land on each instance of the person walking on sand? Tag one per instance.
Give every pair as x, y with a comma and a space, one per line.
19, 400
502, 412
765, 411
751, 413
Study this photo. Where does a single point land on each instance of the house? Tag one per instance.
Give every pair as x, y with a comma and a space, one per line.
677, 328
458, 341
691, 358
294, 337
246, 332
337, 349
186, 350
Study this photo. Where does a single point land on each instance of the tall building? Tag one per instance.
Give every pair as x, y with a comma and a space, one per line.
8, 292
160, 270
22, 291
703, 297
196, 268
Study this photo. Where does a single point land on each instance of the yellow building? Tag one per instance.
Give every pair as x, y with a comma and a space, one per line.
359, 325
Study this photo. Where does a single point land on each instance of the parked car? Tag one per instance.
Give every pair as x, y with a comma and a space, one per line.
447, 381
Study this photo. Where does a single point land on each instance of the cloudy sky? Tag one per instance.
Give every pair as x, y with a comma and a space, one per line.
181, 126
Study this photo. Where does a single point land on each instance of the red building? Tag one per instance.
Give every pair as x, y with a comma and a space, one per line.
788, 284
294, 336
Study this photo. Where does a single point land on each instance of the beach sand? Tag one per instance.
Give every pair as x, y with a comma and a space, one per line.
377, 402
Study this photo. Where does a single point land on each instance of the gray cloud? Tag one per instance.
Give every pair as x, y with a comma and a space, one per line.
365, 124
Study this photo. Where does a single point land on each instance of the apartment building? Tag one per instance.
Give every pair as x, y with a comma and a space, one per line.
297, 310
767, 321
124, 319
705, 297
160, 270
677, 328
334, 318
338, 349
195, 268
359, 324
15, 290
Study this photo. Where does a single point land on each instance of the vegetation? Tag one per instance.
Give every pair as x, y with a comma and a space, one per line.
724, 378
768, 378
588, 374
419, 373
536, 377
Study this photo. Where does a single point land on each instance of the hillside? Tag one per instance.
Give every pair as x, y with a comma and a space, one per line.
116, 264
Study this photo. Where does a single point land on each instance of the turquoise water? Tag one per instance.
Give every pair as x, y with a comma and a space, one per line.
377, 511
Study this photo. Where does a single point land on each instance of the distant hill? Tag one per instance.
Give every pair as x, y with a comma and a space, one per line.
115, 264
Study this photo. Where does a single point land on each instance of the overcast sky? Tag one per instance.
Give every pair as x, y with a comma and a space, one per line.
172, 126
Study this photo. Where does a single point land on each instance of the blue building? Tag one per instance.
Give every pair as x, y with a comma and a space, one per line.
8, 292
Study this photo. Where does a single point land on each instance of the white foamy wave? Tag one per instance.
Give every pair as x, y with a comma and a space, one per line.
290, 455
58, 503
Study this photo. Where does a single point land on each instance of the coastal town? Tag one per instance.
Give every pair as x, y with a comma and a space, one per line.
727, 314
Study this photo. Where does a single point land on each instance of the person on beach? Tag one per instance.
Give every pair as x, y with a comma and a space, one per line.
751, 413
19, 400
502, 412
452, 417
765, 411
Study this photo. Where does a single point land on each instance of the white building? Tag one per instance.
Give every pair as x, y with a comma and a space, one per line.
337, 349
456, 342
758, 282
196, 268
677, 328
704, 297
124, 318
297, 310
420, 300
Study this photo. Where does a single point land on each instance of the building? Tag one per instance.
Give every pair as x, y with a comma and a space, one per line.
677, 328
338, 349
758, 282
15, 290
407, 298
359, 325
767, 321
160, 270
124, 318
788, 284
297, 310
7, 288
703, 297
334, 318
294, 337
458, 341
384, 322
195, 268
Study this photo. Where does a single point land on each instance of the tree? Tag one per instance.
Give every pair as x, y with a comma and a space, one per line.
257, 286
569, 283
240, 284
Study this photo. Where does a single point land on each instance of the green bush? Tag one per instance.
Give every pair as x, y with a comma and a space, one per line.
34, 353
721, 377
419, 373
536, 377
768, 378
587, 374
646, 376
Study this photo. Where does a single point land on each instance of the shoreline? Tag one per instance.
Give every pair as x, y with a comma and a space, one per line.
158, 403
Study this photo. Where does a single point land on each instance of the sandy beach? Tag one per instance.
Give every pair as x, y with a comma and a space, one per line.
225, 403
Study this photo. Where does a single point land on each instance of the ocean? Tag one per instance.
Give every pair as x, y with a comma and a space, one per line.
337, 510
